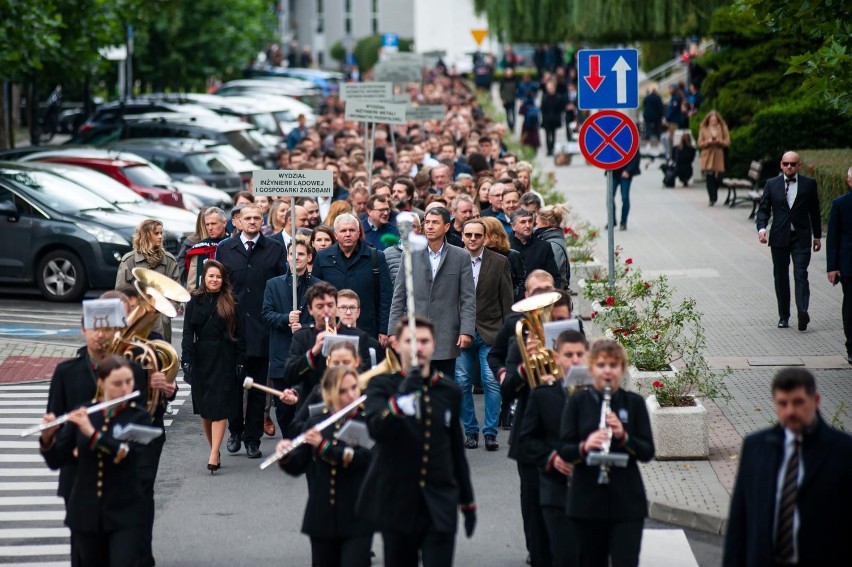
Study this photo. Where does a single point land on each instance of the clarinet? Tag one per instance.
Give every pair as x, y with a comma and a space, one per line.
603, 476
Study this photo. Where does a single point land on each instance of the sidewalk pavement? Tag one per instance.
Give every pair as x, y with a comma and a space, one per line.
712, 254
30, 361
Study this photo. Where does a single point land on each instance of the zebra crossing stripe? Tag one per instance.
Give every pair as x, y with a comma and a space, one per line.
34, 533
34, 550
28, 472
31, 501
32, 516
27, 486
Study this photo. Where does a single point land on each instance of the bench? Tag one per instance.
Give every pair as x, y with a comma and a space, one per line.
748, 186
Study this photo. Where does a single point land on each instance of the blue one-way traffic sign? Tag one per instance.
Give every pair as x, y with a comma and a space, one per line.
608, 79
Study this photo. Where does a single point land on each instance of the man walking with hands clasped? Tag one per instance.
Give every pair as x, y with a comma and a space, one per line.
792, 201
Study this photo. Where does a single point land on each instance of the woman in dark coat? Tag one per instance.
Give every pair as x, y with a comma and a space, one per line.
214, 350
684, 156
335, 471
552, 110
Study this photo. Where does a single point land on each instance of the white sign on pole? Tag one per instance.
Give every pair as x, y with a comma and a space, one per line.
366, 91
405, 57
426, 112
406, 98
397, 72
297, 183
377, 112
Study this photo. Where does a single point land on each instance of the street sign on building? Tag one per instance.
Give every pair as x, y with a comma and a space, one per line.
375, 111
298, 183
478, 35
607, 79
609, 139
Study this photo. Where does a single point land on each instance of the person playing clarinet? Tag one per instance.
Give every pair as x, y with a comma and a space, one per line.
606, 505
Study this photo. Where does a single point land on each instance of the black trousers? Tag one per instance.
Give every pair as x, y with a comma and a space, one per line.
283, 413
599, 541
714, 180
436, 549
251, 427
846, 285
550, 139
535, 531
149, 462
510, 115
799, 251
110, 549
341, 552
448, 367
563, 544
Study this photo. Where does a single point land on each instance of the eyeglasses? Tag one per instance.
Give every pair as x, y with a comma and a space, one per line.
789, 163
347, 308
387, 210
473, 235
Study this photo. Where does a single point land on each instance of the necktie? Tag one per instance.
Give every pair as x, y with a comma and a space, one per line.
787, 508
789, 181
250, 246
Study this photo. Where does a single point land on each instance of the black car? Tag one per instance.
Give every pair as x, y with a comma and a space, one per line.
113, 112
244, 137
181, 163
58, 236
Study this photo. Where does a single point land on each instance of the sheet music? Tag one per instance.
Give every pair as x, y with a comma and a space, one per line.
355, 433
553, 329
331, 340
142, 434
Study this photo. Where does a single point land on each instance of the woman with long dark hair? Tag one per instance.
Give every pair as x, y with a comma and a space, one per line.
214, 349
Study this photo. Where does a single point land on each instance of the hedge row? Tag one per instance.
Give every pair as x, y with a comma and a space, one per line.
829, 168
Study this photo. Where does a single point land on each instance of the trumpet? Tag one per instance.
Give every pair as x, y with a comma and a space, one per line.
90, 410
536, 310
299, 440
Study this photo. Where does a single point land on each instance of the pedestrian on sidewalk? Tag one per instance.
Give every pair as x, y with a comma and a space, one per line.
793, 203
713, 139
622, 178
791, 477
508, 95
838, 252
683, 156
552, 108
532, 122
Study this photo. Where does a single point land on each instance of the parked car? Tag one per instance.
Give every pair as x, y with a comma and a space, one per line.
62, 239
124, 168
182, 162
327, 81
244, 137
285, 109
311, 95
178, 221
116, 111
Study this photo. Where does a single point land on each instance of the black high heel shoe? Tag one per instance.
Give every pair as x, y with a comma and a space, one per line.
213, 468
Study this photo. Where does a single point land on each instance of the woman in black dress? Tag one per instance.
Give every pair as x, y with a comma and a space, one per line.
106, 510
214, 349
335, 471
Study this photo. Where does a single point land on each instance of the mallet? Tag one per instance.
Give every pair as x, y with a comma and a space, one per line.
248, 384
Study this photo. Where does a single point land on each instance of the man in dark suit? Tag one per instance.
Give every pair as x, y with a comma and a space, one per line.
351, 264
443, 291
494, 297
793, 203
838, 252
536, 254
419, 478
792, 493
251, 260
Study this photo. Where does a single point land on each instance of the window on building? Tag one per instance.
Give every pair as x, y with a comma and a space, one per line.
374, 15
320, 16
347, 11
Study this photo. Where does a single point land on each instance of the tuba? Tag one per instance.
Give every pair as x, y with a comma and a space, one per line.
389, 365
536, 310
156, 291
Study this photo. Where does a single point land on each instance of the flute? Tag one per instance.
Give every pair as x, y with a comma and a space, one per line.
603, 475
299, 440
90, 410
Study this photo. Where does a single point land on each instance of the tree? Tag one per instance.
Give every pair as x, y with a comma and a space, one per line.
366, 51
545, 21
29, 31
826, 61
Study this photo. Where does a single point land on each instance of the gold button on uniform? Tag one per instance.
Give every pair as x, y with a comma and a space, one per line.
422, 484
428, 421
100, 484
331, 501
426, 446
99, 493
425, 458
104, 428
423, 471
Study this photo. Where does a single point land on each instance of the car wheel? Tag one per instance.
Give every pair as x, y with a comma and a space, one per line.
61, 276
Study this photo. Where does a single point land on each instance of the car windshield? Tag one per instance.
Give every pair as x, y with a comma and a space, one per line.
104, 186
284, 116
266, 122
207, 163
57, 193
146, 176
240, 139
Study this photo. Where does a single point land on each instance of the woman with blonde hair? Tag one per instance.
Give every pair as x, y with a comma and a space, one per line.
548, 227
148, 252
336, 209
713, 140
278, 215
497, 240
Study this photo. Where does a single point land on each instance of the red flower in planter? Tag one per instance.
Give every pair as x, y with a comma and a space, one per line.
610, 301
647, 285
594, 314
633, 327
657, 384
626, 333
656, 337
629, 261
596, 276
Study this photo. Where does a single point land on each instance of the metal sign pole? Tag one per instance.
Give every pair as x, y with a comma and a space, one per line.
610, 231
370, 159
293, 252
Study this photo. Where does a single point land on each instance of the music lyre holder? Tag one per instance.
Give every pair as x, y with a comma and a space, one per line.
606, 461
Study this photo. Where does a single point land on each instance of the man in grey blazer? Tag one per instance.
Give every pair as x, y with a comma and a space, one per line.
443, 292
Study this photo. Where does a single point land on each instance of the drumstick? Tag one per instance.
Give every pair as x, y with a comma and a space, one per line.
248, 384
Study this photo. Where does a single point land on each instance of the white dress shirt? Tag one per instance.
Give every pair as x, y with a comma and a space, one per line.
435, 258
245, 240
476, 265
789, 438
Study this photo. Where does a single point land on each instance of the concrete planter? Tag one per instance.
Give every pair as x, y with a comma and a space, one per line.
583, 307
679, 433
584, 270
640, 381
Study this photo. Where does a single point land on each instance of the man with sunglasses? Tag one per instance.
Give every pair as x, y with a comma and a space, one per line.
792, 201
494, 297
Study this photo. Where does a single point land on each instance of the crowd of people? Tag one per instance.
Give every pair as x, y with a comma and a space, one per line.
487, 240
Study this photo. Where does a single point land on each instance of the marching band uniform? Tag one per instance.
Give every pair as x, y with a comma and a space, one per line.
539, 441
106, 508
607, 518
419, 475
335, 473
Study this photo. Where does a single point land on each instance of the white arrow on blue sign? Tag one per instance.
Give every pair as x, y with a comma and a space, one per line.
608, 79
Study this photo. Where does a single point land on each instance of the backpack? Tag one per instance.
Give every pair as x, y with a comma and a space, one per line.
195, 258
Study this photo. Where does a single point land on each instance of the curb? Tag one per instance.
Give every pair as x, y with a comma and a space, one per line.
687, 518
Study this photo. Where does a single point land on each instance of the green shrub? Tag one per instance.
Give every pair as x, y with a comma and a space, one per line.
338, 52
366, 51
829, 168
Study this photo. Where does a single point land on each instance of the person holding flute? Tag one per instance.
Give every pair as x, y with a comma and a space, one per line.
213, 352
335, 471
106, 509
606, 518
